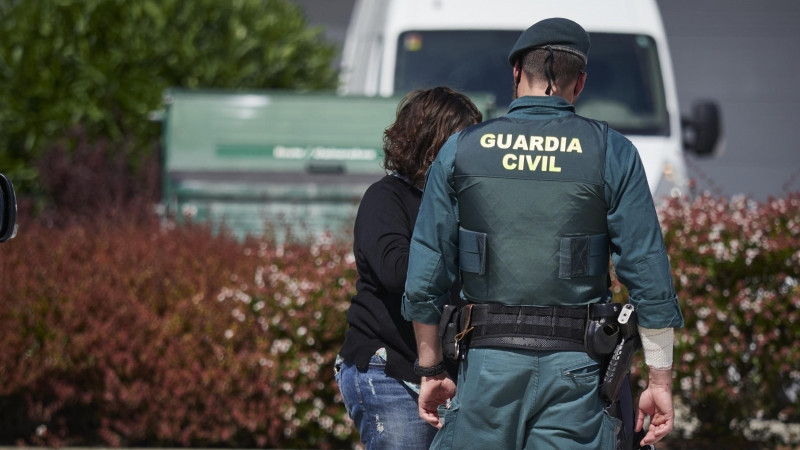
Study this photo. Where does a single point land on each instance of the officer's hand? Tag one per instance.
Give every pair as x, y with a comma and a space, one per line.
434, 391
656, 402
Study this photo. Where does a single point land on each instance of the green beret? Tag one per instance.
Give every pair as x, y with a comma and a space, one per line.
560, 34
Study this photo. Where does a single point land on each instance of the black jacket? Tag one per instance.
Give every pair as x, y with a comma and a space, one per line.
382, 234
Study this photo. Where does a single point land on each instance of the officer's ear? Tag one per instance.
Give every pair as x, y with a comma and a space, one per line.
579, 85
517, 72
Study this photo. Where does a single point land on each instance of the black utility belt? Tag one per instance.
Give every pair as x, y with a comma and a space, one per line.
554, 328
607, 332
551, 328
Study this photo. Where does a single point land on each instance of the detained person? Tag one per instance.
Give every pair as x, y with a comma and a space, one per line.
375, 368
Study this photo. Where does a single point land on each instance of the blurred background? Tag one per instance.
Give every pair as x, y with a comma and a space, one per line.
187, 173
733, 51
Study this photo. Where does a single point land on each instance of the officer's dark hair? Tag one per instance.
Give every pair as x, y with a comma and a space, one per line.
425, 119
566, 67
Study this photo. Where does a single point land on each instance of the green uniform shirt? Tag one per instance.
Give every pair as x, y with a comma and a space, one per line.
637, 246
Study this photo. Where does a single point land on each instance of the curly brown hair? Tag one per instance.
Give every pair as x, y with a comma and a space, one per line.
425, 119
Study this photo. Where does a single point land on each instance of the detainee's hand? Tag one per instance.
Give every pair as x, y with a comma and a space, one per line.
656, 402
434, 391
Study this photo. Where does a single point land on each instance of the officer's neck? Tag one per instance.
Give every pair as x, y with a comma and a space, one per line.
540, 90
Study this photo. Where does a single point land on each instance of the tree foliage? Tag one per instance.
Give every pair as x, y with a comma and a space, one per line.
103, 64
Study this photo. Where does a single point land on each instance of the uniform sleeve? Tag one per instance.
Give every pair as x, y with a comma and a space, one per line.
637, 247
432, 261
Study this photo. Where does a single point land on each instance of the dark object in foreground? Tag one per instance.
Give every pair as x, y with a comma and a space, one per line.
618, 363
615, 390
8, 210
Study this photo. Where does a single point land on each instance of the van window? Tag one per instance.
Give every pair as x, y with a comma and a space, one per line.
624, 85
468, 60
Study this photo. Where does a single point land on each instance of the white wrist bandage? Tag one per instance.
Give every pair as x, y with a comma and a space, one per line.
657, 343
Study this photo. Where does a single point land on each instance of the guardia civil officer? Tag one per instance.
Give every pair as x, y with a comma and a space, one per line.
526, 209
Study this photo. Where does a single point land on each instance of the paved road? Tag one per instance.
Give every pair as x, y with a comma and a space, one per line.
742, 53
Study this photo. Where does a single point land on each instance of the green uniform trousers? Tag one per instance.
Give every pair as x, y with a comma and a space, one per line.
526, 399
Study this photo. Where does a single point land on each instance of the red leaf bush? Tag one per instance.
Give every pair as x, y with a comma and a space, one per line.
152, 335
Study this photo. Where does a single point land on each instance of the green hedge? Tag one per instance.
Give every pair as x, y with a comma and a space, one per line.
131, 332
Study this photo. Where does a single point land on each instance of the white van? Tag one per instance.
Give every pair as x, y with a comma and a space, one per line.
394, 46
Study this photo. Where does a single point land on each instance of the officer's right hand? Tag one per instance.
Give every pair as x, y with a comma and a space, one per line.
434, 391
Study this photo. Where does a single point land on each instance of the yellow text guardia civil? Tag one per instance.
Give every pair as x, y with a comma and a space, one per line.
544, 163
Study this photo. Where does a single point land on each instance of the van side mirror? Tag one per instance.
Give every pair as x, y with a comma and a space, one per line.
701, 131
8, 210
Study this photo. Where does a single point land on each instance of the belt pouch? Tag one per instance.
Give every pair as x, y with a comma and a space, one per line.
602, 331
448, 329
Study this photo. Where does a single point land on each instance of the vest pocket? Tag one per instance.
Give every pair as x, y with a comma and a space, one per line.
471, 251
583, 256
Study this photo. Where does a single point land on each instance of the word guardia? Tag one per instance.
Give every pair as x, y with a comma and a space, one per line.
544, 163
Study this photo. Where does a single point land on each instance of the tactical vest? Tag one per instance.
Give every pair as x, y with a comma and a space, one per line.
532, 211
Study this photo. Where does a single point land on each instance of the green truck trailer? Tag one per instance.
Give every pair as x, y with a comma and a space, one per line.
273, 161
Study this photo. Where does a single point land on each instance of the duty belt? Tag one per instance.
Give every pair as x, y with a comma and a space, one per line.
546, 328
606, 331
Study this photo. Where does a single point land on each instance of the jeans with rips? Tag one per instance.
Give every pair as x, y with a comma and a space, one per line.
384, 409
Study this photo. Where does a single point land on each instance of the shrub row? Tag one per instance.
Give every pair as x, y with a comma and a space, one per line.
151, 335
136, 333
736, 266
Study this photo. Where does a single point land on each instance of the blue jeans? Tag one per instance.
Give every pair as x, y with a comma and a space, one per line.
383, 408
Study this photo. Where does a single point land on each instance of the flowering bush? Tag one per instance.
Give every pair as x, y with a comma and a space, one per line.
736, 266
117, 334
130, 332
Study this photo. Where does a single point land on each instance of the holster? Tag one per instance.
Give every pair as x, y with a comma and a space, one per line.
448, 329
602, 329
615, 388
618, 363
454, 331
624, 409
